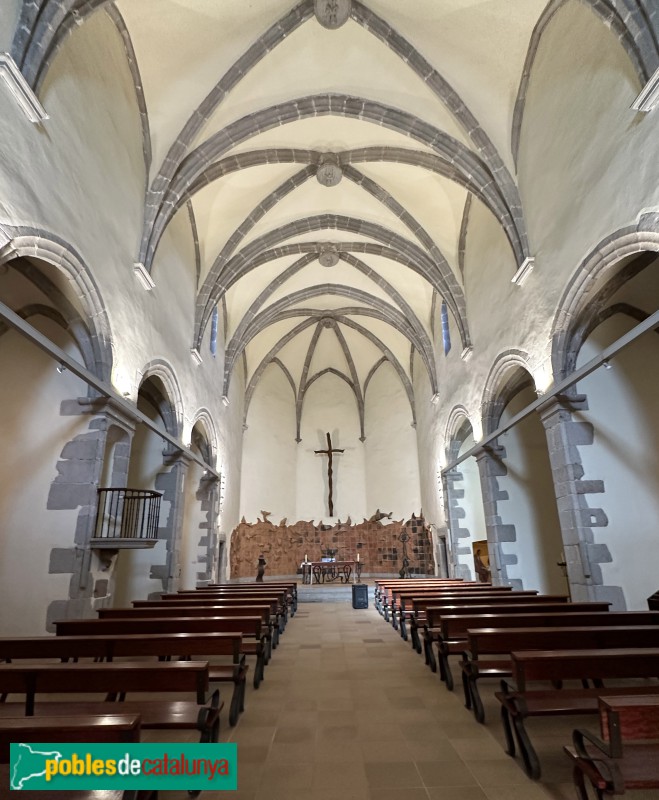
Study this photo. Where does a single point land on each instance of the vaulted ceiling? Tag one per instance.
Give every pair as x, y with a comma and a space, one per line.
327, 155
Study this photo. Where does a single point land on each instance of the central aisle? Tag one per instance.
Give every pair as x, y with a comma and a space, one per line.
348, 712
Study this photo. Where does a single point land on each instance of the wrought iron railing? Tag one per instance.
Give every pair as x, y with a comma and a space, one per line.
127, 514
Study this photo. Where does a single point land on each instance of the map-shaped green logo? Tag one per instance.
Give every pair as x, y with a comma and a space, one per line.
30, 764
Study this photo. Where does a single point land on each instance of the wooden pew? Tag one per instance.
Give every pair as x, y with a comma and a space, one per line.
503, 641
382, 584
406, 607
420, 605
397, 596
626, 755
110, 647
253, 641
430, 616
384, 590
120, 728
519, 700
167, 610
116, 680
402, 603
289, 586
452, 629
251, 598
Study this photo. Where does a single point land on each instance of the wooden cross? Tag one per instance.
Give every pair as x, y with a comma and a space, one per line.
328, 453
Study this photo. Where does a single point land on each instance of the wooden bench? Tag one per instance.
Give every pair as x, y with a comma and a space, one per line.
120, 728
399, 596
166, 610
108, 648
115, 680
253, 637
386, 590
381, 586
200, 600
427, 613
227, 596
520, 701
450, 635
503, 641
289, 586
626, 756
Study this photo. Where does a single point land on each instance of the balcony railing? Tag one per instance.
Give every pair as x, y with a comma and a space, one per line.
127, 518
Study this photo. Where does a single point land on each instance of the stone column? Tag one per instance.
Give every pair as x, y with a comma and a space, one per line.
565, 435
491, 467
80, 470
170, 483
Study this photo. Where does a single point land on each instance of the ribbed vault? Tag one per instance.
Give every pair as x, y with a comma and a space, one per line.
330, 159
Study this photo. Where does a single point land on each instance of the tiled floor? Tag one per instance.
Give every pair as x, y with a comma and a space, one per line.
348, 712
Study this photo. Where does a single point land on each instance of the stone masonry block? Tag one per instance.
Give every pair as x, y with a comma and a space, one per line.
599, 554
580, 433
594, 518
611, 594
589, 487
70, 495
505, 533
63, 560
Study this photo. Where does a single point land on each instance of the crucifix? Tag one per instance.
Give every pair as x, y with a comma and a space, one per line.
328, 453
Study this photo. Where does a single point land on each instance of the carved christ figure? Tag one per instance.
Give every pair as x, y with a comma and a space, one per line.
328, 453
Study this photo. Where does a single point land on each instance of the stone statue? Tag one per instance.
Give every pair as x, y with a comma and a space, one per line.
260, 572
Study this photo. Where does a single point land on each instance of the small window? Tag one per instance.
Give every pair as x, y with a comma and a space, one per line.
213, 342
446, 332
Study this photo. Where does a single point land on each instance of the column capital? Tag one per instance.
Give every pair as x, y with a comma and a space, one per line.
565, 402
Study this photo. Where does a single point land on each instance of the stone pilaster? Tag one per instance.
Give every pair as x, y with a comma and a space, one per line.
565, 435
208, 495
491, 467
80, 471
453, 494
171, 483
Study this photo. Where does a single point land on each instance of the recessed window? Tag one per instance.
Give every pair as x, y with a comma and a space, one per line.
213, 342
446, 332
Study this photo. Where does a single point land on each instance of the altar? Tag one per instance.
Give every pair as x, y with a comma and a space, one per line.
330, 571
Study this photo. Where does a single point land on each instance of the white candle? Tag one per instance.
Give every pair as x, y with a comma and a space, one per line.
305, 558
357, 556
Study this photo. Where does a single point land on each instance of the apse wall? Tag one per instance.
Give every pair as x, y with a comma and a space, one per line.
290, 480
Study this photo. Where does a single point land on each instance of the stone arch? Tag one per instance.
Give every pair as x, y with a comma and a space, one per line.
204, 419
170, 402
23, 242
601, 267
509, 374
455, 434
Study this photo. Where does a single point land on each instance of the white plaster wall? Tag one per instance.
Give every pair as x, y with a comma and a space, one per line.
270, 450
429, 446
391, 457
531, 504
622, 407
9, 13
33, 434
330, 406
